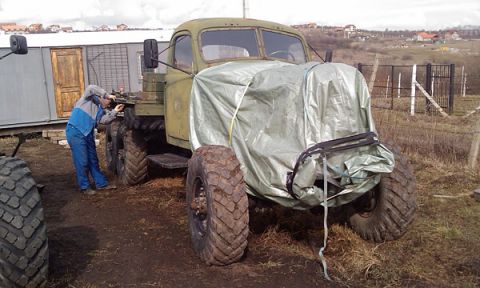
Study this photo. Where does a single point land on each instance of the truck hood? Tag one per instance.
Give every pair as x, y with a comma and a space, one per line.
269, 112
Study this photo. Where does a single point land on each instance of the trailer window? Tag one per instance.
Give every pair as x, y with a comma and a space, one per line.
283, 46
228, 44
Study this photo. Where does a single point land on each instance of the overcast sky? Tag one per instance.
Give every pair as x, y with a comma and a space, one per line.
365, 14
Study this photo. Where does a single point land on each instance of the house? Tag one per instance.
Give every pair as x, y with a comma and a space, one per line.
67, 29
103, 28
349, 31
37, 27
452, 35
425, 37
122, 27
13, 28
350, 28
54, 28
44, 84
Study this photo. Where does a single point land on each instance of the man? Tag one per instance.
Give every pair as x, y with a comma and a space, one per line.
87, 113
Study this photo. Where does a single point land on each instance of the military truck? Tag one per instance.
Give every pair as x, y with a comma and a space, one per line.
234, 107
23, 235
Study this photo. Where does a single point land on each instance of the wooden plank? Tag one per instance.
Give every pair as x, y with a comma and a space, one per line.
474, 148
470, 113
371, 83
435, 104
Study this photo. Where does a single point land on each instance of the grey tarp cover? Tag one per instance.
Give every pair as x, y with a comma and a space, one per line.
284, 109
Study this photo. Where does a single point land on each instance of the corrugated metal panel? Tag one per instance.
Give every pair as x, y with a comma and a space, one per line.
108, 66
23, 94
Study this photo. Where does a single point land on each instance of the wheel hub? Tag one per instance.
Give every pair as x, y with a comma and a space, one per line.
199, 208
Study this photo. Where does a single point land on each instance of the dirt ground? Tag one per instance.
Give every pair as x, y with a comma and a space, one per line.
138, 236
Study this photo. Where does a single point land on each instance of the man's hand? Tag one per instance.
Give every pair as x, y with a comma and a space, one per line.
112, 97
119, 107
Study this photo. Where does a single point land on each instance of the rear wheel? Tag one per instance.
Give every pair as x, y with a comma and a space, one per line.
23, 235
386, 212
217, 205
111, 145
132, 162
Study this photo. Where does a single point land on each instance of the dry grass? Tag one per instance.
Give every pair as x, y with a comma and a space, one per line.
442, 247
351, 257
439, 139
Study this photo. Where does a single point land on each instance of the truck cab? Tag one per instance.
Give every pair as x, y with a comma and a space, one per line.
203, 43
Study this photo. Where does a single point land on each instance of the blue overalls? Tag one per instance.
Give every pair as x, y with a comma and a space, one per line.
80, 136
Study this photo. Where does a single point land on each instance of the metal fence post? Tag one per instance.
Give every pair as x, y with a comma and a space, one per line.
451, 91
428, 85
391, 89
399, 84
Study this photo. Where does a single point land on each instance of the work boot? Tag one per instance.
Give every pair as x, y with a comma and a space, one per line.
108, 187
88, 191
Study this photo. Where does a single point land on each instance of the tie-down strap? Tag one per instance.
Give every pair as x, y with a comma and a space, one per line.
324, 148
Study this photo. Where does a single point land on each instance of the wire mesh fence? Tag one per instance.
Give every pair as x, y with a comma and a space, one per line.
108, 66
394, 86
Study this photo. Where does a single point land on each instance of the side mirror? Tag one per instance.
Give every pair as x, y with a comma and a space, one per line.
18, 44
328, 56
150, 53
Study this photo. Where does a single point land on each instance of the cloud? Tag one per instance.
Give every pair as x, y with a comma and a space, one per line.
370, 14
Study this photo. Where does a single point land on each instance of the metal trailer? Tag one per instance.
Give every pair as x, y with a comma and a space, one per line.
40, 88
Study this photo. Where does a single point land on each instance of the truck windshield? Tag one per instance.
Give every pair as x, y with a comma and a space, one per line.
283, 46
227, 44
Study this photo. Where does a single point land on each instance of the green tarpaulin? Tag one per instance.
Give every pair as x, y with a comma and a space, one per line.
269, 112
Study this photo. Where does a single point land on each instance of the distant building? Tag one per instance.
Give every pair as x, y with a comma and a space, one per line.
67, 29
12, 28
53, 28
350, 28
452, 35
103, 28
425, 37
349, 31
37, 27
122, 27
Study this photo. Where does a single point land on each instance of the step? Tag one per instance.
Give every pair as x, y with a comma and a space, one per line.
169, 161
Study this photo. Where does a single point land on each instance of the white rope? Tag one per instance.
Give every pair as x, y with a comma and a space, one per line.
325, 212
232, 122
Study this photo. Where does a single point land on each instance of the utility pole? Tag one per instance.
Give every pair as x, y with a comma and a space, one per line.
245, 9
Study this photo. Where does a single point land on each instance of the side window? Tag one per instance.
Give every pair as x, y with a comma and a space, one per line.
182, 55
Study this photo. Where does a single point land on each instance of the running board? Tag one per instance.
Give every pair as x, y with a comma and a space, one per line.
168, 161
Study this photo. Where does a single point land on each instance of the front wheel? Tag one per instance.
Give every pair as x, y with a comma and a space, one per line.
23, 235
217, 205
387, 211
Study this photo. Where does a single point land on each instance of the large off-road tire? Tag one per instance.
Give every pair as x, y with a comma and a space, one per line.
217, 205
386, 212
23, 235
111, 145
132, 162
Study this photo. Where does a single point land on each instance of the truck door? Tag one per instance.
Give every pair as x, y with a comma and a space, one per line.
179, 86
